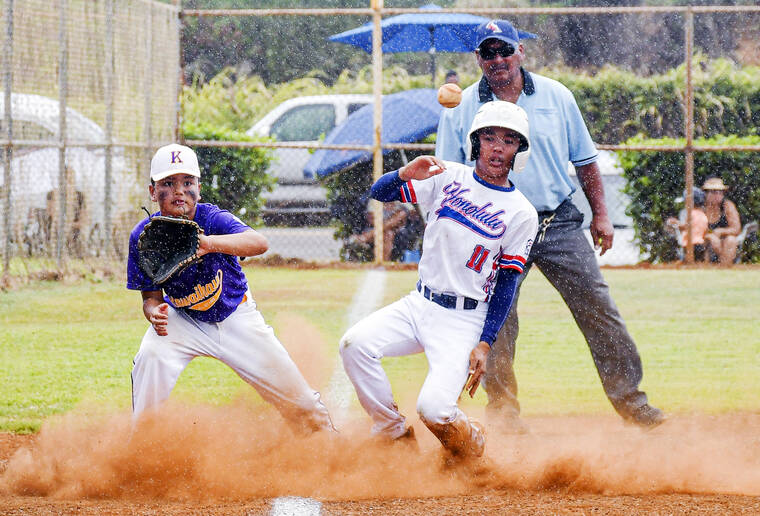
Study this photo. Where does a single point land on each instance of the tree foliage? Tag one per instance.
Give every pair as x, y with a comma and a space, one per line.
618, 104
276, 48
237, 101
279, 49
232, 178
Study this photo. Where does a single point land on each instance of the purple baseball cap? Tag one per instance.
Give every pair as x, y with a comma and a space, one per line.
501, 30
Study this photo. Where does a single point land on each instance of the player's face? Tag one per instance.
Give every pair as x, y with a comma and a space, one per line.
498, 147
500, 62
177, 195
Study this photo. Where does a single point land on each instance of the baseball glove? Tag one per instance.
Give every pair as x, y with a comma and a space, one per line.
167, 245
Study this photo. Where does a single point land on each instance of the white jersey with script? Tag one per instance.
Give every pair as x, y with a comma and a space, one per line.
473, 229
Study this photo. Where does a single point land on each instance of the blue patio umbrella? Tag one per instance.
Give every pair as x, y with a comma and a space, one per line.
421, 32
408, 116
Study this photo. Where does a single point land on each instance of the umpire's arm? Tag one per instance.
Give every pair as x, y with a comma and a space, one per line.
601, 228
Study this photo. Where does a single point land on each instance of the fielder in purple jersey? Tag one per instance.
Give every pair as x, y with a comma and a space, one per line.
218, 275
207, 309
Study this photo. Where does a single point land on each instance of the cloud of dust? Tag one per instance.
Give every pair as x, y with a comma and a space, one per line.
307, 348
238, 452
688, 454
208, 453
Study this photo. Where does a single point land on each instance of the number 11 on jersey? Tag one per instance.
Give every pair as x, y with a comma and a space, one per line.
478, 258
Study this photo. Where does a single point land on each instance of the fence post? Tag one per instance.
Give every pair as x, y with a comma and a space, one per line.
7, 155
148, 85
178, 118
63, 71
689, 129
109, 125
377, 92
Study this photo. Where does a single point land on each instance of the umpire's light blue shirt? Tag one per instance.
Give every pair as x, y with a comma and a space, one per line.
558, 136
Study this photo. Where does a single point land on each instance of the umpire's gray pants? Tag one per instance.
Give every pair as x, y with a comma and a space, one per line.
567, 260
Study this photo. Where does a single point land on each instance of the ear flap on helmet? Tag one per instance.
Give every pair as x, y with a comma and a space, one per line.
473, 146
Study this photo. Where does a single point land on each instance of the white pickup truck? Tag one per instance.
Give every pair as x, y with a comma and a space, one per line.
299, 200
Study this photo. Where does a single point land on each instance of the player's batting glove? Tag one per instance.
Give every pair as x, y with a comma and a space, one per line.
167, 245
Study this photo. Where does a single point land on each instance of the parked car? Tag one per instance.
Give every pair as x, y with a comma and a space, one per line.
297, 199
35, 179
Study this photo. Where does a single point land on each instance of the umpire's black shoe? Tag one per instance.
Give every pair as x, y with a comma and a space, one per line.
646, 416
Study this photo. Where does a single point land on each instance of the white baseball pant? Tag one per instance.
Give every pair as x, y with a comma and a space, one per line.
412, 324
244, 342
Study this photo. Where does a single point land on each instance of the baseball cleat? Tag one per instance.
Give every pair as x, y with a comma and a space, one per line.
646, 417
408, 438
477, 438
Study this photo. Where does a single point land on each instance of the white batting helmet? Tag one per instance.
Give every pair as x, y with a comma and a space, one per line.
499, 113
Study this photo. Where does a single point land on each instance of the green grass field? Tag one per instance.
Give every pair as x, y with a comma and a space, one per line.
67, 346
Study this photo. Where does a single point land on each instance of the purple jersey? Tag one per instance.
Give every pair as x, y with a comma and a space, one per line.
209, 290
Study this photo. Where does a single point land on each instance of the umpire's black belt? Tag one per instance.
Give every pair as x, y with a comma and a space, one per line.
446, 300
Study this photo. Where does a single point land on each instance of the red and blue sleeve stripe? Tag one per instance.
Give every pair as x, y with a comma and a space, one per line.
407, 193
512, 262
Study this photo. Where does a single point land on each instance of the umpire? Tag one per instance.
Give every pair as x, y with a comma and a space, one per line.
561, 251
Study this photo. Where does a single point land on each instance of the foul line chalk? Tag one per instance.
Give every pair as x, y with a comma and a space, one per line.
366, 300
339, 391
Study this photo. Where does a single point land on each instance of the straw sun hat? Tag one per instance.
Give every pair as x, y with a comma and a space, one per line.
714, 183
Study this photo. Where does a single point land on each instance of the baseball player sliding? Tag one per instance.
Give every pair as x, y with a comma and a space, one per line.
479, 233
206, 309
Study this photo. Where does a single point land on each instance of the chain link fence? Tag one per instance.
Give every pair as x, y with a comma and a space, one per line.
301, 215
83, 107
72, 185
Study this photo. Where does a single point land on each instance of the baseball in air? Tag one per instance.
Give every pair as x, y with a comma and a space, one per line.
449, 95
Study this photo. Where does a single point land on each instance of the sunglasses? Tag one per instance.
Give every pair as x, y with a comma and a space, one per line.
488, 53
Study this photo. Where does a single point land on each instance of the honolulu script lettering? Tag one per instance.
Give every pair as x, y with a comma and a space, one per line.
455, 201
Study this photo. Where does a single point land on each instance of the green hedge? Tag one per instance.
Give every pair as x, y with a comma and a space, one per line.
655, 179
231, 178
618, 105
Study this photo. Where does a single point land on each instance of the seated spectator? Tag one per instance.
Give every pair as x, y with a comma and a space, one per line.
396, 218
698, 225
408, 238
451, 77
723, 222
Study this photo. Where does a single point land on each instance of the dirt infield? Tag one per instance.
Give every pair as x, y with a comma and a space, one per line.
234, 460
